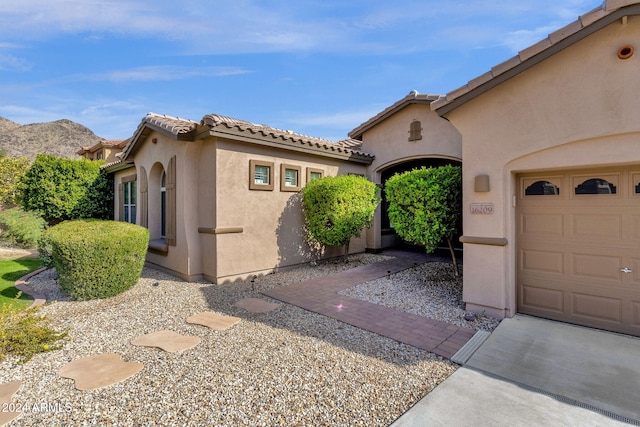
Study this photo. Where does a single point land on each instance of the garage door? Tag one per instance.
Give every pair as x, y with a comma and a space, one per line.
578, 247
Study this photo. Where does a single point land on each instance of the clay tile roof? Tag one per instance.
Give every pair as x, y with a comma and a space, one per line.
117, 143
173, 125
590, 22
412, 98
346, 145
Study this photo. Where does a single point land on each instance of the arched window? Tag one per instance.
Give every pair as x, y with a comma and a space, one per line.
163, 206
542, 188
596, 186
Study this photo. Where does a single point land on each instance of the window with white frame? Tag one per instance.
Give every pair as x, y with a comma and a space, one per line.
261, 175
314, 174
163, 206
129, 201
290, 177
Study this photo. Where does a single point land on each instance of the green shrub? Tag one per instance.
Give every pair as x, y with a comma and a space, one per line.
337, 208
62, 189
11, 173
20, 227
97, 259
425, 206
25, 333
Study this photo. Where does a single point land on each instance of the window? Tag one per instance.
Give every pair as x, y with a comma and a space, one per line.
129, 201
596, 186
314, 174
163, 206
542, 188
415, 131
290, 177
261, 175
100, 155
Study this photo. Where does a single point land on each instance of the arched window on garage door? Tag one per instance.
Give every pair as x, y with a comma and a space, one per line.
542, 188
596, 186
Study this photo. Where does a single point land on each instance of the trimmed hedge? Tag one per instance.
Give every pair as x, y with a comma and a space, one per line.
96, 259
20, 227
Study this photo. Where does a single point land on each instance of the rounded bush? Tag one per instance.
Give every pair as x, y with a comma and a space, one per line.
96, 259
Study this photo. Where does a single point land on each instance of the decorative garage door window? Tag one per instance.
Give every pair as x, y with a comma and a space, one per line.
596, 186
542, 188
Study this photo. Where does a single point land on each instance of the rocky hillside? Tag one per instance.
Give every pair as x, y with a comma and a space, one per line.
61, 138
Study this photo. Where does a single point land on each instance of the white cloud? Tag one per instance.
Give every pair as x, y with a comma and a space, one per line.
13, 63
165, 73
247, 26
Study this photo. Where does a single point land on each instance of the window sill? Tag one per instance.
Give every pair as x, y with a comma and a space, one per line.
158, 246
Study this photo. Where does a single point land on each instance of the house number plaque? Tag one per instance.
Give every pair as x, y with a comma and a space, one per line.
482, 208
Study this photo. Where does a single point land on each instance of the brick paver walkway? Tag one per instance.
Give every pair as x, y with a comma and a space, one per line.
321, 296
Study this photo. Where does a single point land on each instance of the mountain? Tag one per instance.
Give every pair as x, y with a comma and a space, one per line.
61, 138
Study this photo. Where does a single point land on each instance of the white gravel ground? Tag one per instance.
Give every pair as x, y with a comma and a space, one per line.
286, 367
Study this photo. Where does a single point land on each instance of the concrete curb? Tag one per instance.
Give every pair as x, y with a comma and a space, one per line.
21, 285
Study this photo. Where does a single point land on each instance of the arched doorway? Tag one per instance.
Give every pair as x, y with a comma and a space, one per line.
389, 238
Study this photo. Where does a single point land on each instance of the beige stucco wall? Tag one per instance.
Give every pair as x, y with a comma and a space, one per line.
271, 221
183, 259
388, 140
212, 194
577, 108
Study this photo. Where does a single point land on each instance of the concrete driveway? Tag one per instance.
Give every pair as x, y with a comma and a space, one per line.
532, 371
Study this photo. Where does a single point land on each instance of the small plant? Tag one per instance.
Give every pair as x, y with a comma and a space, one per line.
96, 259
20, 227
25, 333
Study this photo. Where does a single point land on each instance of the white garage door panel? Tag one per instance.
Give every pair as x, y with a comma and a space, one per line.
573, 248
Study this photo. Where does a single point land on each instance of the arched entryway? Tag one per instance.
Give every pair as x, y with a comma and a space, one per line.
388, 236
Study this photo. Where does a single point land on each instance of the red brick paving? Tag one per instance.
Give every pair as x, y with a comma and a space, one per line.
321, 296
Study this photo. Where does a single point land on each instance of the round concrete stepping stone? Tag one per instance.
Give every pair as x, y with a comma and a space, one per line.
212, 320
167, 340
7, 390
99, 370
256, 305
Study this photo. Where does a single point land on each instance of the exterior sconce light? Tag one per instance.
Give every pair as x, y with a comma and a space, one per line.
481, 184
154, 140
625, 52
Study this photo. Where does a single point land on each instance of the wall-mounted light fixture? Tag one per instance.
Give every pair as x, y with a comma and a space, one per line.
625, 52
154, 140
481, 184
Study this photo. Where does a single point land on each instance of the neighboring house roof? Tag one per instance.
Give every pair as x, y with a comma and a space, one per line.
587, 24
413, 98
104, 143
217, 125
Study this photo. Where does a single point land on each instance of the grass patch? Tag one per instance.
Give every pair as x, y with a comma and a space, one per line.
10, 271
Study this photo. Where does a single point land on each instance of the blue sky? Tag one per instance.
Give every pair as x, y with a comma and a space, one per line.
317, 67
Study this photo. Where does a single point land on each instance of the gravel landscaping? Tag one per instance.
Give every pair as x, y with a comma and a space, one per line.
284, 367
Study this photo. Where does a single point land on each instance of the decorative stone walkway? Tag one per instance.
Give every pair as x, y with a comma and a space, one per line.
217, 322
321, 296
167, 340
7, 390
99, 370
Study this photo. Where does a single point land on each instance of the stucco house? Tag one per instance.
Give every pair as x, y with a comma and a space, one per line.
106, 150
551, 170
548, 141
221, 196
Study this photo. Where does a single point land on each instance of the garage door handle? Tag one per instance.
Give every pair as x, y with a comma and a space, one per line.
626, 270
